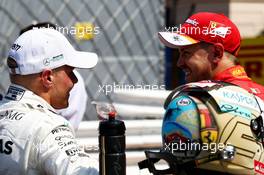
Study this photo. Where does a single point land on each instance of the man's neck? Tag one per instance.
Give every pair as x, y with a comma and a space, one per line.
223, 65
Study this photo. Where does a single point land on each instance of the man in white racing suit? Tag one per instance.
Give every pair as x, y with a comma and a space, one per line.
34, 139
74, 113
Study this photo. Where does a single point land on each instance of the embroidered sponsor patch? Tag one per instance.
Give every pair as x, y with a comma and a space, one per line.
65, 140
60, 129
47, 61
177, 38
15, 47
192, 22
218, 29
14, 93
72, 152
11, 115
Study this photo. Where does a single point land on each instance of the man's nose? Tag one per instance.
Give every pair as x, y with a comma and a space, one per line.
180, 61
74, 78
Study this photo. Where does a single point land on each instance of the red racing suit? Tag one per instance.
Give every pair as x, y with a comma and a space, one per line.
237, 75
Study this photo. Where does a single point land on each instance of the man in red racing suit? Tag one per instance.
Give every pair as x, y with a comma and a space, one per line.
208, 44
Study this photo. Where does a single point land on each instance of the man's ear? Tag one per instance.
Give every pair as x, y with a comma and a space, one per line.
218, 52
46, 78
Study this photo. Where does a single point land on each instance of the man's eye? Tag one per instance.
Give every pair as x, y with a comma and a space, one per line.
185, 53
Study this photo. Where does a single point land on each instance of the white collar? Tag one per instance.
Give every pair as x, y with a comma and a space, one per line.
19, 93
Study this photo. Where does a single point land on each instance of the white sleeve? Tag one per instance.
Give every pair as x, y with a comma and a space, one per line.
59, 154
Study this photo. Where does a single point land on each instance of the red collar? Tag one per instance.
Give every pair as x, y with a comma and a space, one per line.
235, 72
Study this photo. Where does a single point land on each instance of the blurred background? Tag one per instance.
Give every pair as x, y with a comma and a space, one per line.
124, 35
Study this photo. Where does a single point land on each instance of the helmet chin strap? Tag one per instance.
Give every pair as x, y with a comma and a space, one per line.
182, 161
175, 165
180, 164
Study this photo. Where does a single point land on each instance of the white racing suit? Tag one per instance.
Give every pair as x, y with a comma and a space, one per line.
36, 140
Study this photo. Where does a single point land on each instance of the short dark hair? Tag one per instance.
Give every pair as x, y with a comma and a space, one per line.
38, 25
205, 44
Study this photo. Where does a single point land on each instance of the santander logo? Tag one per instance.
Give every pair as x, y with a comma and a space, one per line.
259, 167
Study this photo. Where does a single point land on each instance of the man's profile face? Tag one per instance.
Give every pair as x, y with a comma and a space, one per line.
63, 80
194, 60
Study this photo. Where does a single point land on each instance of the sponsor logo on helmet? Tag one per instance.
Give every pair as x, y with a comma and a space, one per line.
184, 102
258, 167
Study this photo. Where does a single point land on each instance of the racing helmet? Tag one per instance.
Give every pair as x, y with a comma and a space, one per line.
216, 125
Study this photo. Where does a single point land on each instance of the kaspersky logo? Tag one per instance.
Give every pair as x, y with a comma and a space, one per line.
258, 167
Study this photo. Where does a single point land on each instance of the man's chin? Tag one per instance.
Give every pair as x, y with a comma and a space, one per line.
62, 106
66, 105
188, 79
